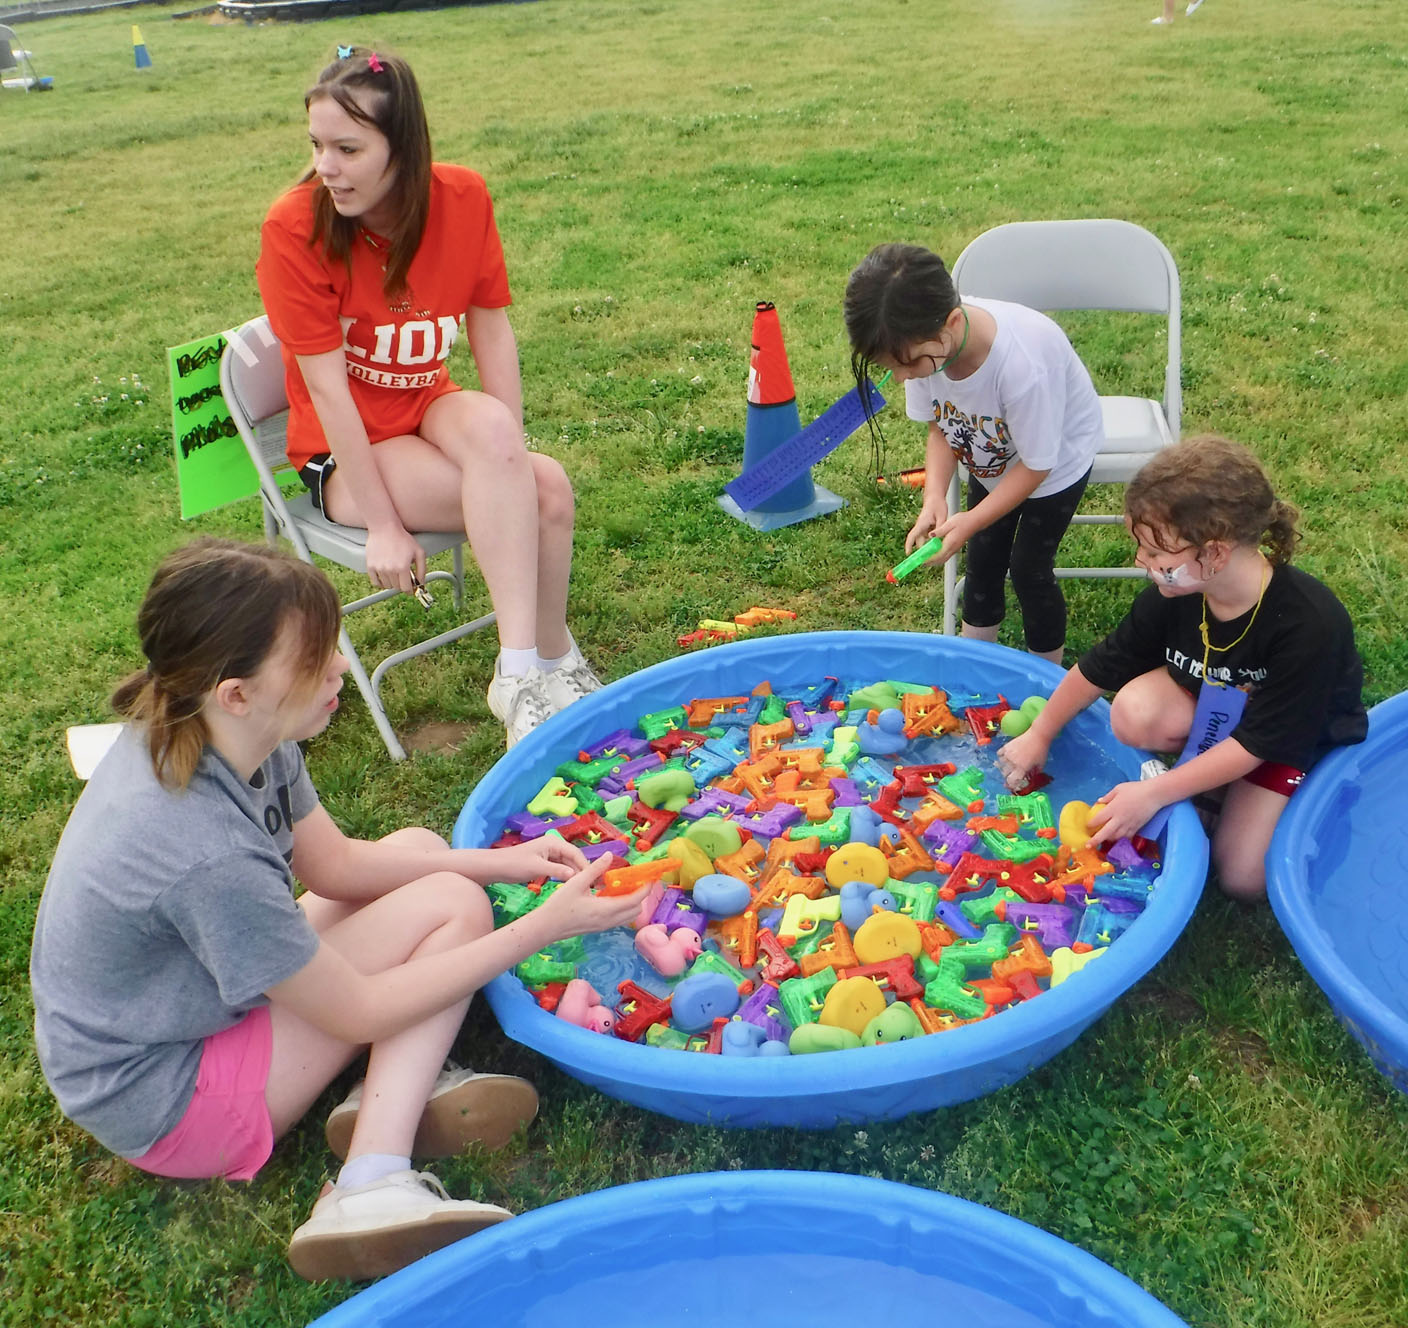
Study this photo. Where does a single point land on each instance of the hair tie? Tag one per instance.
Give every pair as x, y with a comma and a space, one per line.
374, 64
344, 52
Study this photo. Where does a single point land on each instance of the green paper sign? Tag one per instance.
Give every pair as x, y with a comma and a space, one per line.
212, 466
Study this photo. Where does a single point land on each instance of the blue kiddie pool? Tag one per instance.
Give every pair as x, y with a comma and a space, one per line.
777, 1247
869, 1083
1336, 874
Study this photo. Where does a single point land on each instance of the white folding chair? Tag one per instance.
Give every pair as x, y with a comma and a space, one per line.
252, 383
1106, 265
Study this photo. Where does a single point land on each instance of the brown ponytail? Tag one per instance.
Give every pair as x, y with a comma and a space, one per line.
214, 610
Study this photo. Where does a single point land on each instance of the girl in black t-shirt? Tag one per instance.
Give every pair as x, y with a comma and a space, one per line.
1241, 661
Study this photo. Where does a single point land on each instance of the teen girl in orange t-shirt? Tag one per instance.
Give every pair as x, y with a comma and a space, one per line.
366, 269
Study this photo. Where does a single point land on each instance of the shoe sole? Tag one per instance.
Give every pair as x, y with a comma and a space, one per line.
486, 1110
357, 1256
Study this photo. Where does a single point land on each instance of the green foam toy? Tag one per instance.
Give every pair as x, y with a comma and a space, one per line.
716, 836
820, 1037
670, 789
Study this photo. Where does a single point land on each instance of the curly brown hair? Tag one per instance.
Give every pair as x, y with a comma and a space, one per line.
1209, 488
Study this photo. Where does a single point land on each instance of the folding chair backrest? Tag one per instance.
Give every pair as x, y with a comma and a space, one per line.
8, 59
1094, 264
1098, 263
252, 383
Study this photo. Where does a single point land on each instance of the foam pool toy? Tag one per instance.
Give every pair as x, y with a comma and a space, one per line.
1335, 877
840, 1250
872, 1083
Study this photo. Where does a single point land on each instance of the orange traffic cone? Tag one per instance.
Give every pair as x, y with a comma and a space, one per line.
772, 422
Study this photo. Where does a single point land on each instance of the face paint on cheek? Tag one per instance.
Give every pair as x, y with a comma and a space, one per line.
1179, 578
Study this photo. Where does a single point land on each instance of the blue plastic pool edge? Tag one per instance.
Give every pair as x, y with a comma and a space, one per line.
873, 1083
817, 1211
1382, 1033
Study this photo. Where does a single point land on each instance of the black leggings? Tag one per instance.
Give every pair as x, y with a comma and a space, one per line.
1021, 544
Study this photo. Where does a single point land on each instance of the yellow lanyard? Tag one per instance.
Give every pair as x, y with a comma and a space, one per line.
1208, 646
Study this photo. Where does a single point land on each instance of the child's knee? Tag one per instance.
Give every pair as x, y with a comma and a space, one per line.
483, 428
1136, 723
474, 912
1035, 584
556, 503
456, 904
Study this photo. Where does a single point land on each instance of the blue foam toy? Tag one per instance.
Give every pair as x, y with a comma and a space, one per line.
839, 1250
701, 998
720, 895
1335, 877
872, 1083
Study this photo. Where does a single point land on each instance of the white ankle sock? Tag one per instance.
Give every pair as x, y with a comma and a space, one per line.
367, 1167
515, 663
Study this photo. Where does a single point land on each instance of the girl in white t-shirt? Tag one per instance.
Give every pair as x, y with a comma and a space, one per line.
1004, 393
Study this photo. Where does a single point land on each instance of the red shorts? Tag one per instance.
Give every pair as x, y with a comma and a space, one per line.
1282, 779
226, 1130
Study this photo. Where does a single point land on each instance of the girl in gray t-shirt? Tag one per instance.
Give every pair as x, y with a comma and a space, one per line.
189, 1010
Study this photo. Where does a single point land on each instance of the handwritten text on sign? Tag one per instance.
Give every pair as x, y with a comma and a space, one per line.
212, 466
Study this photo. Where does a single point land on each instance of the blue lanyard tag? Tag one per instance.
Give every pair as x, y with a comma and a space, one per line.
1218, 712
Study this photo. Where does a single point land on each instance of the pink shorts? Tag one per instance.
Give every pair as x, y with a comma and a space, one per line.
226, 1130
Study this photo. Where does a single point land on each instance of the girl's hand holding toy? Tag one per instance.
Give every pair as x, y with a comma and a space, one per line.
576, 910
926, 525
1125, 810
549, 855
1021, 757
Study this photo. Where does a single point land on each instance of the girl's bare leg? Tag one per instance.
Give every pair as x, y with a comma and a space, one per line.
432, 914
470, 471
1242, 837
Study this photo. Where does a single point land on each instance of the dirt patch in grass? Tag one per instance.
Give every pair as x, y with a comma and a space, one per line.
109, 1171
437, 736
1249, 1050
1171, 1004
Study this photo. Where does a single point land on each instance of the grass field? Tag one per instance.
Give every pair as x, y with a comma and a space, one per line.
658, 167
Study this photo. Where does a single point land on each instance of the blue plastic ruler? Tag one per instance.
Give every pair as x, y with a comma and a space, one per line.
802, 451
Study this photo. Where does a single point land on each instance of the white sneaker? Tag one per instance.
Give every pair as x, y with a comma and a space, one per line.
365, 1231
463, 1108
521, 702
571, 680
1189, 11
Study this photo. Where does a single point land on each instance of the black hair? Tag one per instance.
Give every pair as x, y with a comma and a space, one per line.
898, 296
